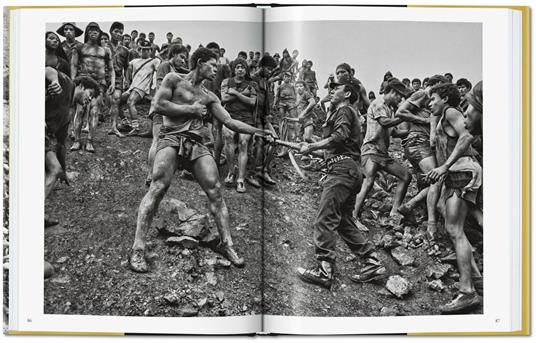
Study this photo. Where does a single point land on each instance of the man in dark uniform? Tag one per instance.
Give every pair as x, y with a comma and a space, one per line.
341, 142
70, 31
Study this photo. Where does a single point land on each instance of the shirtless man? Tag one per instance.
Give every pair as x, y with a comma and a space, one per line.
70, 31
177, 63
120, 58
184, 104
92, 59
154, 47
139, 77
417, 150
305, 102
223, 72
462, 177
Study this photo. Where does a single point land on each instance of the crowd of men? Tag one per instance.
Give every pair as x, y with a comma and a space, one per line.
202, 104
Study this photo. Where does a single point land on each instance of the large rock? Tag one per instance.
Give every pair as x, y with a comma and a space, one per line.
437, 271
399, 286
183, 242
178, 208
403, 256
196, 227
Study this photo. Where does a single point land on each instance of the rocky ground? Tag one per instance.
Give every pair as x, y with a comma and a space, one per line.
89, 249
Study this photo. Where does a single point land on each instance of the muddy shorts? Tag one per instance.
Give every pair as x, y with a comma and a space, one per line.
383, 161
417, 148
188, 150
119, 82
454, 183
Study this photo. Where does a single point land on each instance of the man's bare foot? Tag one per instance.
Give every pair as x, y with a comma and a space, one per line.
75, 146
431, 229
89, 147
137, 261
229, 180
229, 253
116, 132
360, 225
265, 177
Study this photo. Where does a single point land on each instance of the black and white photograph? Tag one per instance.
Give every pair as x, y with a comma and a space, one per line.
338, 173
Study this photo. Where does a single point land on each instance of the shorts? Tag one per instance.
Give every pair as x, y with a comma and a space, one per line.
454, 183
417, 148
119, 83
287, 105
141, 93
383, 161
188, 149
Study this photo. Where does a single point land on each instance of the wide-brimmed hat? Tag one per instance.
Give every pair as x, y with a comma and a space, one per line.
77, 31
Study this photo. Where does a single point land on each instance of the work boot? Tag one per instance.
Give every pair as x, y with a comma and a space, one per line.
373, 270
321, 275
137, 261
462, 303
229, 253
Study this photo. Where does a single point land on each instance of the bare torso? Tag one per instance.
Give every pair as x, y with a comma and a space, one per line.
184, 93
93, 60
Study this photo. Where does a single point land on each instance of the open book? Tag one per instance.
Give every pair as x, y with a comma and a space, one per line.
313, 170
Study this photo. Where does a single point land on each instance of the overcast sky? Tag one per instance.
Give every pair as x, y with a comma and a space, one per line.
407, 49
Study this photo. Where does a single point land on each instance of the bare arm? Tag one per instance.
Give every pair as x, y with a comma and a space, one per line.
111, 69
455, 119
389, 122
128, 75
225, 96
164, 106
308, 109
74, 63
223, 116
406, 112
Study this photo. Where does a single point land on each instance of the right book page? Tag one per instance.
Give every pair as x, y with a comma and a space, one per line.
393, 230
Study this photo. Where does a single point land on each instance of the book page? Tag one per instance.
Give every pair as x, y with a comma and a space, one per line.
130, 245
353, 247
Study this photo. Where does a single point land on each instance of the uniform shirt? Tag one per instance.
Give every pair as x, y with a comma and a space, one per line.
420, 99
286, 92
377, 138
68, 48
164, 68
343, 128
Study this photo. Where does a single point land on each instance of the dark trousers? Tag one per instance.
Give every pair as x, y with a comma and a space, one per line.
340, 188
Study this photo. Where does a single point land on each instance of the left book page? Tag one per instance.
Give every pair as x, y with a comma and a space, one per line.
138, 232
